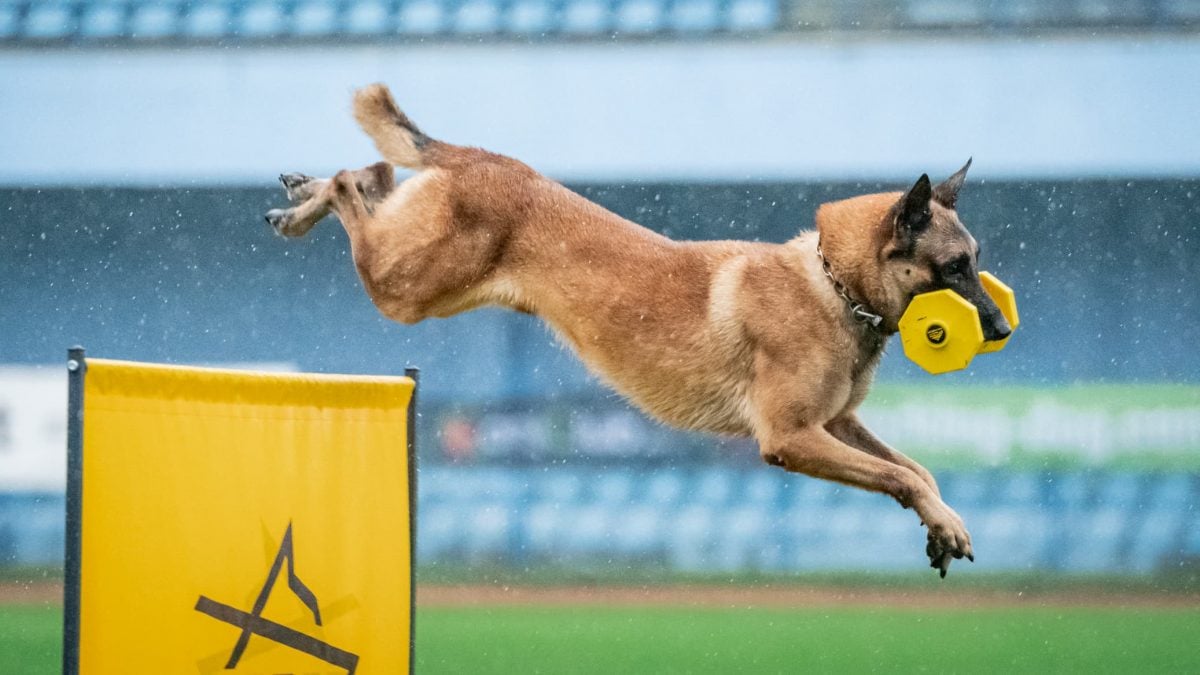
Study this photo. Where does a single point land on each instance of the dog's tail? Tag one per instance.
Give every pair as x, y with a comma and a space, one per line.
397, 138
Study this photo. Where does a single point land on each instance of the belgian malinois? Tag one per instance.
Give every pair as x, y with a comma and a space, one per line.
774, 341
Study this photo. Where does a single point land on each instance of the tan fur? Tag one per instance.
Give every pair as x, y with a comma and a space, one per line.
392, 131
727, 337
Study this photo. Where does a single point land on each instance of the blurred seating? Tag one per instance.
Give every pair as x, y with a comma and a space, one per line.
102, 20
1191, 542
421, 17
965, 489
311, 18
116, 21
1180, 10
9, 20
726, 518
208, 20
261, 19
722, 518
155, 20
586, 17
32, 527
635, 17
488, 530
750, 16
477, 17
532, 18
1157, 537
663, 488
140, 21
694, 16
369, 17
48, 21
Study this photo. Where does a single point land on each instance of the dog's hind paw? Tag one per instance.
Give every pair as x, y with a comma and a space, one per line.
296, 185
279, 219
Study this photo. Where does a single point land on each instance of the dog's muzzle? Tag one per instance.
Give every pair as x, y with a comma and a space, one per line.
941, 331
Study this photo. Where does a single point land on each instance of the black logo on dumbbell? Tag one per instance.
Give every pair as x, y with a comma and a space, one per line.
936, 333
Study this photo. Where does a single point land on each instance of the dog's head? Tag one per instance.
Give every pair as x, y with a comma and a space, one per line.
928, 249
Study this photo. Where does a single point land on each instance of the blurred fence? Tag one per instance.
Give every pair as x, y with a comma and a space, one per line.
1135, 427
723, 518
151, 21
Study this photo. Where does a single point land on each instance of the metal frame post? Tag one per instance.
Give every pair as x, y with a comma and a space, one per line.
76, 369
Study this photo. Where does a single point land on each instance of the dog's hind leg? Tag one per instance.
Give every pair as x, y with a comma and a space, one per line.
348, 199
312, 196
298, 220
375, 182
301, 187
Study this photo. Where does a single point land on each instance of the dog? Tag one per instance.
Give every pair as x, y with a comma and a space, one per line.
773, 341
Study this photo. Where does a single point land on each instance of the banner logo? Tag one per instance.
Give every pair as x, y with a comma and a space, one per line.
252, 622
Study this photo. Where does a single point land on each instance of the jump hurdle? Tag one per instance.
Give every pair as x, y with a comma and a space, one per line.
229, 521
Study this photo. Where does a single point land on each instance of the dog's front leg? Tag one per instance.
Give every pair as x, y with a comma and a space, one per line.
813, 451
851, 431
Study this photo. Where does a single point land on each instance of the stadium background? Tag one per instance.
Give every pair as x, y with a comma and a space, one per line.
138, 145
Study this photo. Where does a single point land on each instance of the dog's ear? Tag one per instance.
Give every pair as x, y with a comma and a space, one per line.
913, 214
946, 192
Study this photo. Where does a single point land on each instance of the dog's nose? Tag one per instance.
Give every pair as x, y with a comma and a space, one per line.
1000, 329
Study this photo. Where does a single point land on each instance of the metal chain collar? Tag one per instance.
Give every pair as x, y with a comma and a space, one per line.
857, 309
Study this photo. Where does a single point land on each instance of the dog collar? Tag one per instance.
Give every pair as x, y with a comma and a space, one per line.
858, 310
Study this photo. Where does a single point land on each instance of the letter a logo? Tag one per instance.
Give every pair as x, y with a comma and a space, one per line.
252, 622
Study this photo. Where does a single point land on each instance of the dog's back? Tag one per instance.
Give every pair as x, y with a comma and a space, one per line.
657, 319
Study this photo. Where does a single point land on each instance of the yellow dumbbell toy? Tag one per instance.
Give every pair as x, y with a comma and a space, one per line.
941, 331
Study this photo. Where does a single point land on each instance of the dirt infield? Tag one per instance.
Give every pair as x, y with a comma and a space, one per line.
30, 593
474, 595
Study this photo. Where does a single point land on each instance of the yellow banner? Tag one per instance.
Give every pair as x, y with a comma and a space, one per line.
243, 522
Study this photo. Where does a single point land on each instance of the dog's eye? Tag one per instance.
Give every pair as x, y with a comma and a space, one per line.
956, 268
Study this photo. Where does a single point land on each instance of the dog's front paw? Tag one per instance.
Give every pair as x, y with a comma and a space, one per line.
947, 539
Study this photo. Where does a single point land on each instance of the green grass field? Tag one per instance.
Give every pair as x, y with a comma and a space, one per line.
30, 638
708, 640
